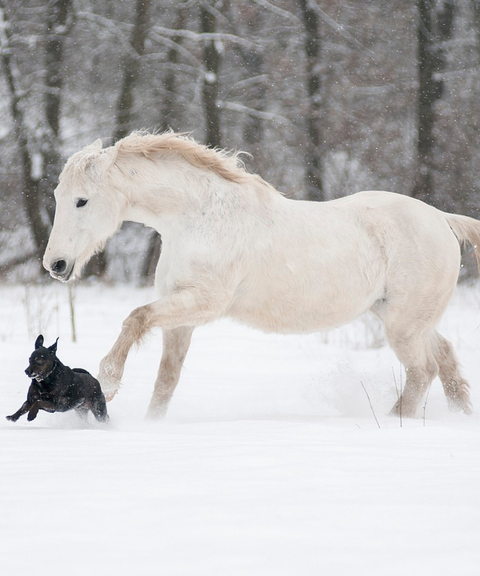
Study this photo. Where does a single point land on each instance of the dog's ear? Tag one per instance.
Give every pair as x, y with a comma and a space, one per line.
53, 347
39, 342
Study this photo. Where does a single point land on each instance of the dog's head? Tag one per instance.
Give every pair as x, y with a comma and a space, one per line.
42, 362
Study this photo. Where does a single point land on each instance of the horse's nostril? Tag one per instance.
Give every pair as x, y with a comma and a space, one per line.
59, 266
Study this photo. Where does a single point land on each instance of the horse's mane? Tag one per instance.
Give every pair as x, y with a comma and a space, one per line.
225, 164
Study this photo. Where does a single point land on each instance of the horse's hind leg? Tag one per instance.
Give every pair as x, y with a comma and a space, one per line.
416, 355
175, 347
410, 337
454, 384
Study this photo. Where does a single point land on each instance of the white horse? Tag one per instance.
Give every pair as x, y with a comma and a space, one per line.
233, 246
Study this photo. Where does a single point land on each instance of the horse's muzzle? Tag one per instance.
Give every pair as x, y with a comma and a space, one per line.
61, 270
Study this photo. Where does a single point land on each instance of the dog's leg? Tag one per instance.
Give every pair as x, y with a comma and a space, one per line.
99, 409
82, 413
40, 405
23, 410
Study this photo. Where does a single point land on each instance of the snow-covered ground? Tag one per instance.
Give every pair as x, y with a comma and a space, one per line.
270, 461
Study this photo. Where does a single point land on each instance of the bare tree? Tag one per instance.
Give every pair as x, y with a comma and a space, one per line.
313, 156
476, 20
330, 97
211, 58
435, 25
168, 121
124, 122
168, 112
253, 62
39, 152
131, 70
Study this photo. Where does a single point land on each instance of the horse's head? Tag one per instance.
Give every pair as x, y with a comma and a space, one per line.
88, 211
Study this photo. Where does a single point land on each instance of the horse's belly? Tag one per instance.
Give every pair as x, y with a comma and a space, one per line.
302, 313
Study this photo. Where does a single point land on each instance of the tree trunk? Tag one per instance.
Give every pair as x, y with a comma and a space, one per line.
168, 121
131, 69
476, 21
254, 127
211, 59
313, 156
254, 65
36, 214
125, 104
29, 185
434, 27
59, 22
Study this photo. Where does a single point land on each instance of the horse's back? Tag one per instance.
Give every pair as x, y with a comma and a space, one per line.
327, 263
311, 267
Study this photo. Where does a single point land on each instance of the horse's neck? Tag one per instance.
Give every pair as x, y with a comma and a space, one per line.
171, 194
143, 214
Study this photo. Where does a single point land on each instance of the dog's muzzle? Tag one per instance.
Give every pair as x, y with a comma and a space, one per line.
36, 376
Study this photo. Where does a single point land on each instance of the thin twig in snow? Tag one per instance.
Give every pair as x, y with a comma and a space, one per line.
424, 417
371, 407
71, 301
399, 395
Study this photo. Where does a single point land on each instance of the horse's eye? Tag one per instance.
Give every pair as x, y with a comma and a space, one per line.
81, 202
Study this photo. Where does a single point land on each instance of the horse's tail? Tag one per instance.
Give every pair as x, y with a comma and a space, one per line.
466, 229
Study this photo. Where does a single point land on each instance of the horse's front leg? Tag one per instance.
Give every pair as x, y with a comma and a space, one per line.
184, 308
175, 347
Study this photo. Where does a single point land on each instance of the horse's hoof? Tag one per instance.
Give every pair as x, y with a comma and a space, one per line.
109, 377
109, 396
460, 405
109, 387
156, 412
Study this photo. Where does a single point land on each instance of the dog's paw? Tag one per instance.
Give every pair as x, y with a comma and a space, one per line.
32, 415
12, 418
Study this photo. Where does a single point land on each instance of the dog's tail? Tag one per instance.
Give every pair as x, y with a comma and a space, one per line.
466, 229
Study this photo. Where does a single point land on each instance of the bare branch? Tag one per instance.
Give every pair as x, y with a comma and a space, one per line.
204, 36
277, 10
176, 46
242, 109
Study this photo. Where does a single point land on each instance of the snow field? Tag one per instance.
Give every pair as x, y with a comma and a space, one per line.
270, 461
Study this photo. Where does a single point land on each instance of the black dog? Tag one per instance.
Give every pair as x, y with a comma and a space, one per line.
58, 388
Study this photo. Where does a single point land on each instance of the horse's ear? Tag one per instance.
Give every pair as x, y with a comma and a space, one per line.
53, 347
39, 342
99, 158
96, 146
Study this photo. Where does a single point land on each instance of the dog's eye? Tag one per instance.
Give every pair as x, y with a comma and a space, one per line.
81, 202
39, 360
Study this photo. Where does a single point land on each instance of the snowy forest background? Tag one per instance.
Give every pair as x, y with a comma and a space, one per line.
328, 97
